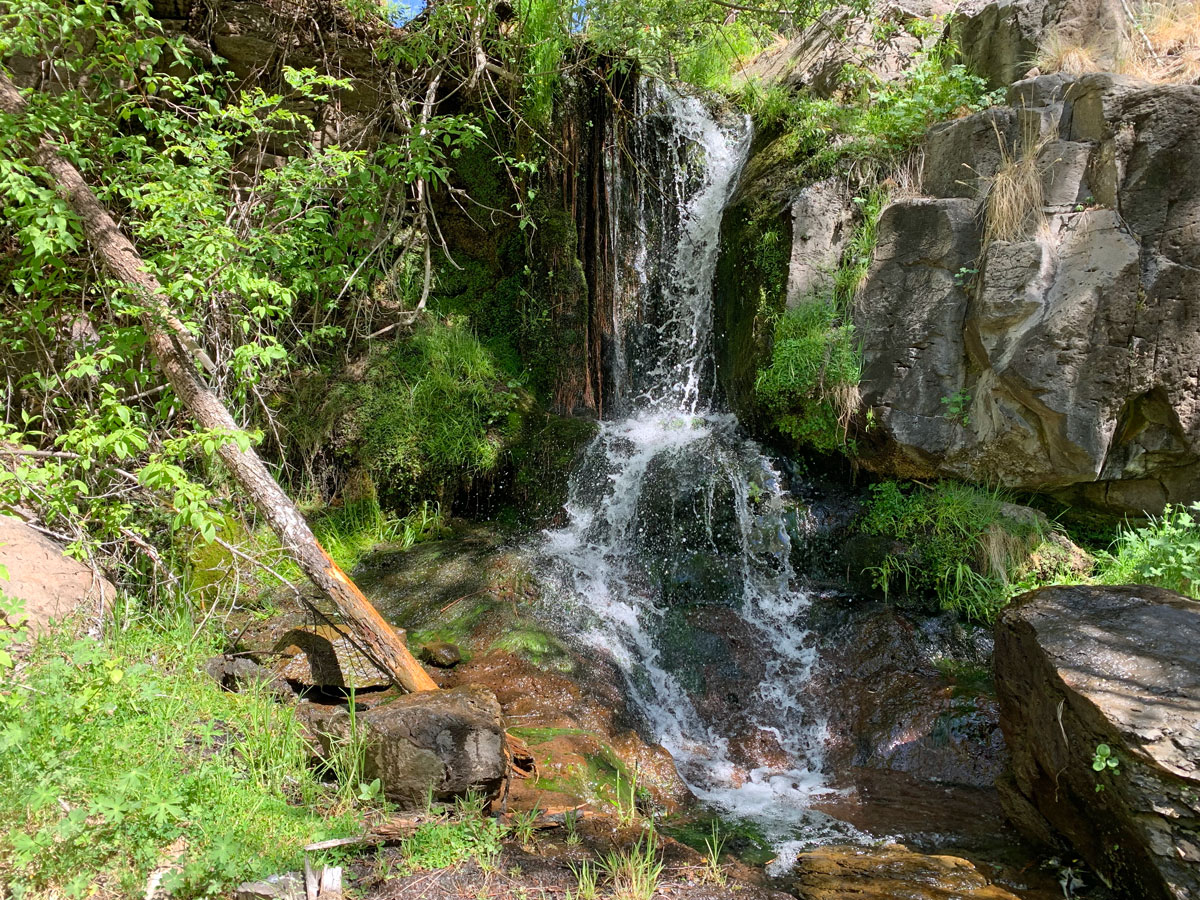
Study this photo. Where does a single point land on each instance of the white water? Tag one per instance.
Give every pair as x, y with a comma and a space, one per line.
672, 508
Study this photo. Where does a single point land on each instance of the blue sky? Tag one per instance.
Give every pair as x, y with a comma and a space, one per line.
405, 10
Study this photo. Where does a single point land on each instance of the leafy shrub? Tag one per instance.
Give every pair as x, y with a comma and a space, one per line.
877, 121
1164, 552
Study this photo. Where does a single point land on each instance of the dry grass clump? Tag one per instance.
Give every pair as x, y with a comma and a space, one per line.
1060, 53
1160, 42
1015, 194
1163, 44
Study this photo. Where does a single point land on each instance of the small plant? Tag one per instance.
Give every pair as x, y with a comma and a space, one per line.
1104, 760
571, 824
626, 800
586, 877
635, 872
956, 406
523, 824
714, 843
964, 275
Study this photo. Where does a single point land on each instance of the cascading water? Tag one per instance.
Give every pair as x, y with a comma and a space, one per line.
676, 552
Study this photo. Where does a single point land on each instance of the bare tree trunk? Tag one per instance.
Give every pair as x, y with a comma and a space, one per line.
169, 342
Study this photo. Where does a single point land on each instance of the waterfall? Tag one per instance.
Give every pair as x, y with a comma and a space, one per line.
676, 543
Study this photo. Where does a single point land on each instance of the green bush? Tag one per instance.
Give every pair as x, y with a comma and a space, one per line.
811, 385
875, 120
1164, 552
962, 548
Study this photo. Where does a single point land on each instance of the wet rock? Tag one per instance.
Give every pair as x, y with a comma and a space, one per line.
448, 742
1077, 667
906, 694
54, 587
890, 872
442, 654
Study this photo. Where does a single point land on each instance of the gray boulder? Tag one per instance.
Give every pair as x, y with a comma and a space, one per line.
1078, 667
1064, 361
999, 40
445, 742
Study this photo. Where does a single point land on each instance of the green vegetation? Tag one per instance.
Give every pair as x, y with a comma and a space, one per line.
957, 543
1164, 552
873, 122
960, 545
433, 407
451, 840
123, 756
810, 387
634, 871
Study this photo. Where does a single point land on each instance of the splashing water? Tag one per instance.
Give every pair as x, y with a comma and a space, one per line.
675, 558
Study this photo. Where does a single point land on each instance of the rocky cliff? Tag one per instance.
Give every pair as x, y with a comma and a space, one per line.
1031, 315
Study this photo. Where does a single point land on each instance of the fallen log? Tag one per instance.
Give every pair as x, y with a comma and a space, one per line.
169, 342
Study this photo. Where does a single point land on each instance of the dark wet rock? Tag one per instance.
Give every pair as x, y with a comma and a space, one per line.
1077, 667
237, 673
891, 872
447, 742
53, 586
906, 694
442, 654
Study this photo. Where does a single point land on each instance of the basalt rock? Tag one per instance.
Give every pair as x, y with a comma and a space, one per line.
1077, 667
446, 742
1062, 360
999, 40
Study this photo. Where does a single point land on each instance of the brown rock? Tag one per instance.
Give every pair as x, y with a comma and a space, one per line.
442, 654
53, 586
448, 742
889, 873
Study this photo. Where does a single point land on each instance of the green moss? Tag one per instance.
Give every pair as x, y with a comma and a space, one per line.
540, 647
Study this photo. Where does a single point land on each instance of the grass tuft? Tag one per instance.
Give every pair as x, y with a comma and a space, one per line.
1015, 194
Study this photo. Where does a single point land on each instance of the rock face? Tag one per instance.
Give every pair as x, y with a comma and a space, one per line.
53, 586
1065, 360
1000, 39
448, 742
888, 873
1077, 667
